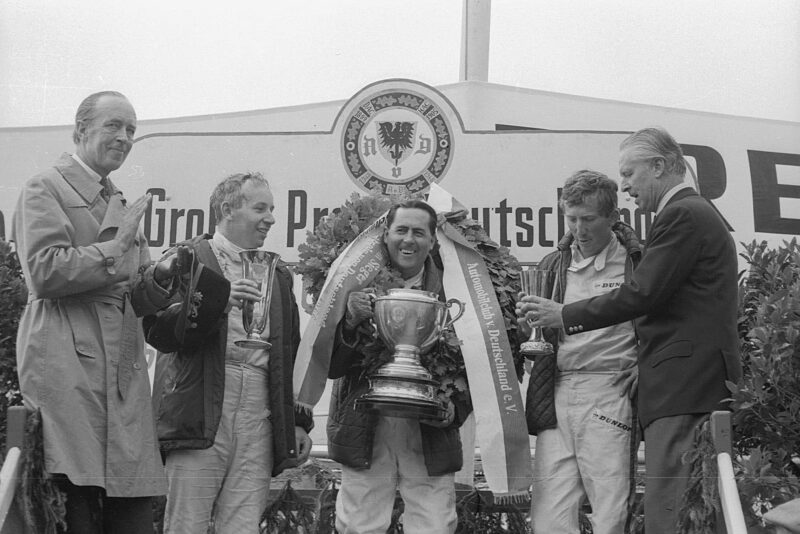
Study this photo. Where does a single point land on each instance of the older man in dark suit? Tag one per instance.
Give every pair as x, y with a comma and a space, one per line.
684, 298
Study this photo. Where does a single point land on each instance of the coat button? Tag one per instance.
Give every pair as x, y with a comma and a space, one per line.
108, 262
137, 366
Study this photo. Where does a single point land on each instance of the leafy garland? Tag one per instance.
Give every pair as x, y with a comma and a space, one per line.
445, 362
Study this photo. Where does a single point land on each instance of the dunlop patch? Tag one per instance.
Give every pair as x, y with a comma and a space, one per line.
602, 418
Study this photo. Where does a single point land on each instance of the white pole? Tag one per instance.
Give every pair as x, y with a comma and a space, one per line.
475, 41
8, 481
729, 495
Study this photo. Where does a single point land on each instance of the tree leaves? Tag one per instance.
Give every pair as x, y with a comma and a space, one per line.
766, 401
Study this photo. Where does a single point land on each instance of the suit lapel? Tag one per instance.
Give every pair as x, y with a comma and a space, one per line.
109, 215
77, 177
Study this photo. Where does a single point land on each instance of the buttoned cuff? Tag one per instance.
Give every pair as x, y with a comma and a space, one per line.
111, 253
575, 329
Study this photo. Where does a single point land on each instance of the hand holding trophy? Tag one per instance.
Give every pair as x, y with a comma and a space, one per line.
539, 283
409, 321
258, 266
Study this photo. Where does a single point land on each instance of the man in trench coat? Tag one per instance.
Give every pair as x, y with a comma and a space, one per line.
80, 346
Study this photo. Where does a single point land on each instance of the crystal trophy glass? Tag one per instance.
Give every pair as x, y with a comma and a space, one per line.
538, 283
259, 266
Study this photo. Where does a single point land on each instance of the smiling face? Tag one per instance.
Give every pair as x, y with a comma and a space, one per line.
105, 140
590, 228
640, 179
409, 240
247, 225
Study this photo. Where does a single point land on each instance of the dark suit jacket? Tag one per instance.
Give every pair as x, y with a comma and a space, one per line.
684, 293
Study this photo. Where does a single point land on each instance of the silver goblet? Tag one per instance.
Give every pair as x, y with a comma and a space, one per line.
259, 266
539, 283
410, 322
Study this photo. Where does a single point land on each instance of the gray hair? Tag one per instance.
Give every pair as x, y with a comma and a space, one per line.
230, 190
656, 142
585, 184
88, 108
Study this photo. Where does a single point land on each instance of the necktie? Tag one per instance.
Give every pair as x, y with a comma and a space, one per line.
106, 191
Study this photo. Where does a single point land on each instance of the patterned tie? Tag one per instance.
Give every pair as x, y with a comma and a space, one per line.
106, 191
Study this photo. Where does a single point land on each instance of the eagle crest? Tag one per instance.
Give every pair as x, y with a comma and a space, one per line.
396, 139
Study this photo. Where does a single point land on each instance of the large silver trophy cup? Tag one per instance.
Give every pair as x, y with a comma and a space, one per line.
539, 283
259, 266
409, 321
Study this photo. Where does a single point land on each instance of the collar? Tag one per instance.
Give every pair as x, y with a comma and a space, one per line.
579, 263
88, 169
671, 193
77, 176
415, 281
227, 247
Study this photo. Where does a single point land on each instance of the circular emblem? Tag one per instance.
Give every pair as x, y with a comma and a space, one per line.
396, 141
397, 315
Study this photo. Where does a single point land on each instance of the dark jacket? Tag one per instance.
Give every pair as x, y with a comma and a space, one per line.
351, 431
540, 408
684, 299
190, 383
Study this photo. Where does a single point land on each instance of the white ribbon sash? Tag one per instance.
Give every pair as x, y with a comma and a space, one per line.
499, 413
353, 270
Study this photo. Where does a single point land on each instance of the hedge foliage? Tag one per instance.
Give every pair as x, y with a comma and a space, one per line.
13, 295
766, 401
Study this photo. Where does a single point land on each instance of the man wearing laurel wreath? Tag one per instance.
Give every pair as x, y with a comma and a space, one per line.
380, 454
224, 413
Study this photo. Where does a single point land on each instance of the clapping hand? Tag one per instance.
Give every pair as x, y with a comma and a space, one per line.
126, 233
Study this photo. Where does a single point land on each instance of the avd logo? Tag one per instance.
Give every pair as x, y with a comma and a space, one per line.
397, 141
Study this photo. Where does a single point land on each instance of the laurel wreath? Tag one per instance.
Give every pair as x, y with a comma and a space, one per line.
445, 362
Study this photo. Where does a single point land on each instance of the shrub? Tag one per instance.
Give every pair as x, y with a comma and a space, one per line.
13, 295
766, 401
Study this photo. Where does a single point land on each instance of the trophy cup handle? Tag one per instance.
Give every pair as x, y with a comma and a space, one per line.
448, 304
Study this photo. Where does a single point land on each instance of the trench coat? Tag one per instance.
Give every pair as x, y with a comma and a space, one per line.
80, 347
